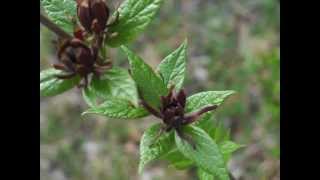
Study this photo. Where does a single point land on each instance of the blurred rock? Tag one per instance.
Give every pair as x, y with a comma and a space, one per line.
92, 150
57, 175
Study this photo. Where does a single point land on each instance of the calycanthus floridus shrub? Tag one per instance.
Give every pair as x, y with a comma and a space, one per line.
185, 135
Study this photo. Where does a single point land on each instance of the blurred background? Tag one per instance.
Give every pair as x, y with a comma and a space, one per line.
233, 45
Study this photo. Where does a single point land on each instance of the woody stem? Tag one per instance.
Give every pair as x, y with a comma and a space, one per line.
53, 27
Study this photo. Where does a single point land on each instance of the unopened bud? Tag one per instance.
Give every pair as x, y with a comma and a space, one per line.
83, 11
181, 97
74, 51
100, 13
93, 14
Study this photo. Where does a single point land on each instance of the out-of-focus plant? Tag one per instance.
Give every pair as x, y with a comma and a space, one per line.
186, 135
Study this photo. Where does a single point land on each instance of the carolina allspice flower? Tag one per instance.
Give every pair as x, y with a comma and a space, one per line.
78, 59
172, 111
93, 15
78, 55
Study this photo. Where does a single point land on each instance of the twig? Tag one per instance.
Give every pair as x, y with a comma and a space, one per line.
53, 27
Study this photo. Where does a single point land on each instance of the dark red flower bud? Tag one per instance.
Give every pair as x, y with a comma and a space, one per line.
172, 112
168, 115
100, 13
179, 110
84, 57
83, 70
78, 59
93, 14
76, 55
83, 11
164, 102
181, 97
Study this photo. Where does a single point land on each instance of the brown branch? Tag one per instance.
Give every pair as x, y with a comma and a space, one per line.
53, 27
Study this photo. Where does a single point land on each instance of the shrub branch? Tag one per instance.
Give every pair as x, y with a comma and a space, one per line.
53, 27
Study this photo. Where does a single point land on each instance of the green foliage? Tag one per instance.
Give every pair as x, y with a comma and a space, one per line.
151, 149
227, 148
181, 158
115, 82
203, 175
206, 153
173, 68
90, 97
149, 83
117, 108
61, 12
207, 123
50, 85
134, 17
178, 160
200, 100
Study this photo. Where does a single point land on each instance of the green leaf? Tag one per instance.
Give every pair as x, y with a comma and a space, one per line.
206, 155
90, 97
220, 133
151, 149
213, 128
203, 99
115, 82
173, 68
182, 165
200, 100
203, 175
134, 17
61, 12
206, 122
177, 159
117, 108
149, 84
227, 148
50, 85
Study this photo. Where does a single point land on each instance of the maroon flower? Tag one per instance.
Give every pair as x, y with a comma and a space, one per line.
78, 59
172, 112
93, 15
